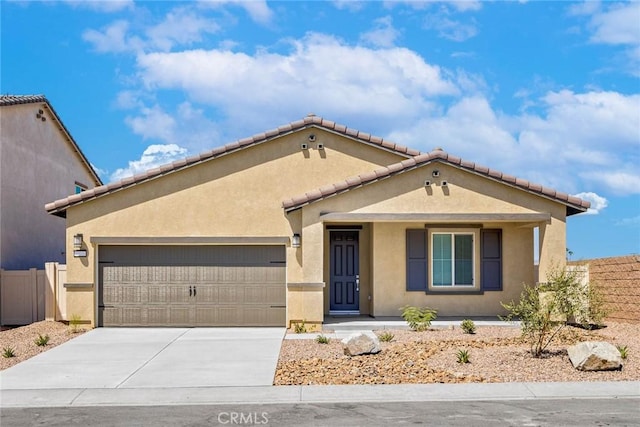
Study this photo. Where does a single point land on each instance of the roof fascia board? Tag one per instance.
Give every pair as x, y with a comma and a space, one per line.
538, 217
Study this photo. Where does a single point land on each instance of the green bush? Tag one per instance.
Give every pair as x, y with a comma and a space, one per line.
418, 318
463, 356
565, 297
468, 326
8, 352
41, 341
386, 336
322, 339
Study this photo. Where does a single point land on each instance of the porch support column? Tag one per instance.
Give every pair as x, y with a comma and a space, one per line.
553, 246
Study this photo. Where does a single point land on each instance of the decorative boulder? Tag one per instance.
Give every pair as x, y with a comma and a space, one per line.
595, 356
359, 343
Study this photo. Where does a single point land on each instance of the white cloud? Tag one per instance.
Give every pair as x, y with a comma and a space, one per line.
319, 74
258, 10
615, 24
181, 26
154, 123
107, 6
350, 5
187, 126
598, 203
620, 24
623, 181
579, 140
458, 5
113, 38
383, 34
152, 157
450, 29
631, 221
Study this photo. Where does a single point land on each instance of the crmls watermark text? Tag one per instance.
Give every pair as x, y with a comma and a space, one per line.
242, 418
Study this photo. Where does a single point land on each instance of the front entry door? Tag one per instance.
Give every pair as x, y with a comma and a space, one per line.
345, 274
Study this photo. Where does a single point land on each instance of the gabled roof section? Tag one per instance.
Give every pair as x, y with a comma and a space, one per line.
310, 121
574, 204
8, 100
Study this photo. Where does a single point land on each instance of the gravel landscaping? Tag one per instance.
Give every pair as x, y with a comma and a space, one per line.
496, 354
22, 340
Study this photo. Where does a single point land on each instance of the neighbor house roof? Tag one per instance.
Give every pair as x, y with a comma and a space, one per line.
8, 100
574, 204
59, 206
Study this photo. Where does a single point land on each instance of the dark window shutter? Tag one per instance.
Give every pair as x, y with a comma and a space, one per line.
491, 260
416, 260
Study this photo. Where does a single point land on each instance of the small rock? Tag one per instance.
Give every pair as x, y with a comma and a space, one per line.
595, 356
452, 327
359, 343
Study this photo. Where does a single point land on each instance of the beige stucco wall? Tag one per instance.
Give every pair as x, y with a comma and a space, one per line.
239, 194
465, 193
37, 166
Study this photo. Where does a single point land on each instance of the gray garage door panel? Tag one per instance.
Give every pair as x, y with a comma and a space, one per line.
192, 286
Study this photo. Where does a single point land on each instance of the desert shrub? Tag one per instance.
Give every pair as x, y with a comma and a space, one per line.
463, 356
300, 327
565, 297
74, 323
41, 341
322, 339
624, 351
386, 336
8, 352
418, 318
468, 326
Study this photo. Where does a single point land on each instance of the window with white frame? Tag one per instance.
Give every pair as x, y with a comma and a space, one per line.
452, 259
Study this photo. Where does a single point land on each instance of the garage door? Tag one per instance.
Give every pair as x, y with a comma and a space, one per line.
191, 286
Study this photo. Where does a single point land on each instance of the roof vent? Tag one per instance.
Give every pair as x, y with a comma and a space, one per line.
438, 149
311, 115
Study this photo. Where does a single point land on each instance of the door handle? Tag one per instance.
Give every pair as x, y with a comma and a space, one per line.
194, 291
357, 283
190, 291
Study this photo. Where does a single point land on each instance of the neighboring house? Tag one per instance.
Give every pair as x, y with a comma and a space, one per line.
39, 162
303, 221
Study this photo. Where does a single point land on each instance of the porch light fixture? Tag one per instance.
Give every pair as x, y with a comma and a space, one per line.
77, 241
295, 241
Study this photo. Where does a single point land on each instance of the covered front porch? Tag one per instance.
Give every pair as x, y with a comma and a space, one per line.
463, 265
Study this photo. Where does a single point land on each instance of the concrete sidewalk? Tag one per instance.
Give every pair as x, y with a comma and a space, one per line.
317, 394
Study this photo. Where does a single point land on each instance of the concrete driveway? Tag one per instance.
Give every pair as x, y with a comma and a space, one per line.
153, 358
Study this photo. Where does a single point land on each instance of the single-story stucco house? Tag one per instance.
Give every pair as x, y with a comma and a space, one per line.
304, 221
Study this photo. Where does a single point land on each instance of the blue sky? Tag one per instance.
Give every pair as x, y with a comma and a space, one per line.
546, 91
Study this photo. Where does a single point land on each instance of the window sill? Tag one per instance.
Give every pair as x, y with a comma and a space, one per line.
455, 292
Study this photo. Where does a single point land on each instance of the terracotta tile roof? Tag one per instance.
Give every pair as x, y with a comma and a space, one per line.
7, 100
21, 99
574, 204
59, 207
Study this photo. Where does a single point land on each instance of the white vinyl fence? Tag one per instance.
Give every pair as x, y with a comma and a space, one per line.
29, 296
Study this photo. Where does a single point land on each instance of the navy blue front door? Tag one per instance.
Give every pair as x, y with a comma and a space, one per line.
345, 276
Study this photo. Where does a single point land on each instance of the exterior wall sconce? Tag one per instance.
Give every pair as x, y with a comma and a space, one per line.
296, 241
77, 241
78, 252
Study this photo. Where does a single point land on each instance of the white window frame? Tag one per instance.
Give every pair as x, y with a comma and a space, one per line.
475, 236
